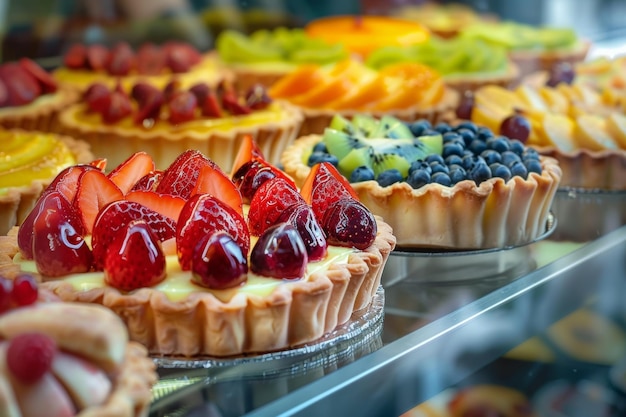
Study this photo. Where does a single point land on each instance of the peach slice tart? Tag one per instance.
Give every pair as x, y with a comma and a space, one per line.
166, 122
215, 266
584, 129
53, 366
406, 90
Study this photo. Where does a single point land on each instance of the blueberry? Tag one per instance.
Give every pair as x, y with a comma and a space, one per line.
477, 146
453, 167
533, 165
454, 160
467, 125
317, 157
501, 171
452, 137
467, 135
418, 178
457, 175
388, 177
530, 153
508, 157
441, 178
498, 144
438, 167
420, 126
491, 156
468, 161
420, 164
480, 172
517, 147
519, 169
434, 158
320, 147
452, 149
430, 132
483, 133
467, 152
361, 174
443, 127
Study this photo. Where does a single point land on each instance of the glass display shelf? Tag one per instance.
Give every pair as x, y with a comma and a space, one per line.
439, 328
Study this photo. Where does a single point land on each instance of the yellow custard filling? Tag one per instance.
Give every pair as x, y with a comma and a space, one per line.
178, 285
28, 108
26, 157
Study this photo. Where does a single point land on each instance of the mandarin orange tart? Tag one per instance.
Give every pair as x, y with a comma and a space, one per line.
198, 264
166, 122
405, 90
52, 366
440, 187
29, 161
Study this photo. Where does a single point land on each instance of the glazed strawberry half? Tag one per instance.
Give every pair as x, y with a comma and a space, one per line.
24, 81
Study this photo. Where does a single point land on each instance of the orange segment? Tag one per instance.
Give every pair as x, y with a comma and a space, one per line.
324, 93
410, 84
360, 98
299, 81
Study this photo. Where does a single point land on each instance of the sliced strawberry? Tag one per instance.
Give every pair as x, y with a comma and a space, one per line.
141, 91
171, 89
4, 94
151, 59
182, 107
97, 57
122, 59
181, 176
47, 83
98, 97
100, 163
323, 186
165, 204
253, 174
119, 108
66, 182
76, 57
248, 151
230, 103
22, 87
257, 97
204, 214
134, 258
117, 215
180, 57
126, 174
271, 199
150, 108
149, 182
211, 106
95, 191
201, 91
213, 181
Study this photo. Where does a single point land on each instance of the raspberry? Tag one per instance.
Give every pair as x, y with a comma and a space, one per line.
30, 355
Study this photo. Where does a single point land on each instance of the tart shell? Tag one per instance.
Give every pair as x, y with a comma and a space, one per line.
472, 82
39, 115
529, 62
494, 214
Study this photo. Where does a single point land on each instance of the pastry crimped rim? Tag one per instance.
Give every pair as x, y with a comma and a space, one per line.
474, 81
19, 201
117, 143
465, 216
530, 61
200, 325
316, 120
39, 114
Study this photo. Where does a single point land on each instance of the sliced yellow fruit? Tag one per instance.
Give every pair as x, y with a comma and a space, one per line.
556, 101
569, 92
531, 98
616, 126
589, 96
591, 133
498, 98
490, 117
557, 130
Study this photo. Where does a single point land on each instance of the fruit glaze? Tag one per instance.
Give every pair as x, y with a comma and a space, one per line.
197, 264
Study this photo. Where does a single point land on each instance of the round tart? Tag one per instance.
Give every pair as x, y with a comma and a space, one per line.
174, 255
407, 90
29, 161
117, 122
58, 367
442, 188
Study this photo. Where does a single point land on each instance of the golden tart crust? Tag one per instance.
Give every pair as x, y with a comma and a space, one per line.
532, 61
17, 202
472, 82
494, 214
295, 313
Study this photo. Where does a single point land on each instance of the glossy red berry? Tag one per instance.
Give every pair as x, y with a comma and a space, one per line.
25, 290
349, 223
465, 106
29, 356
301, 217
218, 262
279, 253
517, 127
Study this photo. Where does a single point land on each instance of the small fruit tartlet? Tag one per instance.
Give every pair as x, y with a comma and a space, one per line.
443, 187
465, 64
29, 161
406, 90
265, 56
55, 362
84, 65
165, 122
198, 264
584, 129
29, 97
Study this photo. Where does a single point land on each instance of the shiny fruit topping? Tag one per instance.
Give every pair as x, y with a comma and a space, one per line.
211, 107
204, 214
268, 203
218, 262
248, 151
119, 107
561, 73
75, 57
150, 108
122, 59
22, 88
148, 182
279, 253
29, 356
98, 97
465, 106
323, 186
150, 59
171, 89
97, 57
95, 190
201, 91
349, 223
168, 205
213, 181
25, 290
516, 126
257, 98
180, 57
141, 91
301, 217
182, 107
58, 244
126, 174
181, 176
45, 80
230, 103
134, 259
253, 174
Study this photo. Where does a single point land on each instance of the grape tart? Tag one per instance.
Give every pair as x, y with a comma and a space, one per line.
440, 187
199, 265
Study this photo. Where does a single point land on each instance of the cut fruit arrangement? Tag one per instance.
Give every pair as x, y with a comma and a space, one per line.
443, 187
54, 367
406, 90
585, 130
178, 244
165, 122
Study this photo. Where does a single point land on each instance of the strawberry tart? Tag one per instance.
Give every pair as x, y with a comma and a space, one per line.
199, 264
53, 366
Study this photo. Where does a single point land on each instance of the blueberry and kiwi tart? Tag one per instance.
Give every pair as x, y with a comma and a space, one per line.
445, 187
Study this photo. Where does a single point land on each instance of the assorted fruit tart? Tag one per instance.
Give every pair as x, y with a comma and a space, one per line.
165, 122
29, 97
84, 65
29, 161
405, 90
52, 366
583, 128
265, 56
198, 263
465, 64
440, 187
